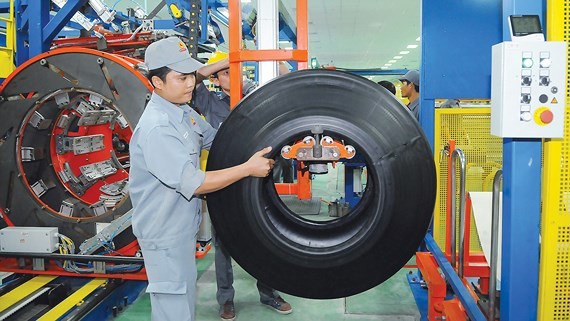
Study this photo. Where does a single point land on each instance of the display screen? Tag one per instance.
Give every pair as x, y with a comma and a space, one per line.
525, 25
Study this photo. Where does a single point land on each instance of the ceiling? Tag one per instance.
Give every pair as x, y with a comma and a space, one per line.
363, 34
353, 34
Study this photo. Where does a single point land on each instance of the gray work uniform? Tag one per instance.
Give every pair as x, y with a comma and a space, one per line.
216, 108
414, 108
164, 174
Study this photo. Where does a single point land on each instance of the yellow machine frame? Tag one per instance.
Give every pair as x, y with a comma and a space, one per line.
471, 130
7, 52
554, 271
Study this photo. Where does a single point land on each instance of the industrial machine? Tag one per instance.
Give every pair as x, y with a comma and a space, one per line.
527, 78
66, 138
67, 118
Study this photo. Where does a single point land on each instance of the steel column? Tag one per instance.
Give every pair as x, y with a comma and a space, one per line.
521, 221
521, 207
267, 36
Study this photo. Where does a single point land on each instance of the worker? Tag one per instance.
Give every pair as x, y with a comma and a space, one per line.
216, 108
388, 85
166, 183
411, 90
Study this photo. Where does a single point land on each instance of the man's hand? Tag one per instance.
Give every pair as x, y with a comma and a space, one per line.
258, 165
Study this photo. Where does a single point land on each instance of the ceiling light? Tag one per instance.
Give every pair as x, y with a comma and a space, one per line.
397, 57
405, 52
392, 61
418, 39
412, 46
383, 67
246, 1
387, 65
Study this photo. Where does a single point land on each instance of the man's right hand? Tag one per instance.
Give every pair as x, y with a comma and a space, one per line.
258, 165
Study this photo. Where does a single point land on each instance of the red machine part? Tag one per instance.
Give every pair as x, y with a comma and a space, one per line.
91, 195
118, 44
436, 285
453, 311
43, 133
75, 162
333, 150
475, 263
302, 151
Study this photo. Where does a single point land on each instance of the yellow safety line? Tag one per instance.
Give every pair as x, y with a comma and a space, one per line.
21, 292
73, 300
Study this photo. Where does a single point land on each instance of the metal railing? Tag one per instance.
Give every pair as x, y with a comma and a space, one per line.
458, 153
494, 245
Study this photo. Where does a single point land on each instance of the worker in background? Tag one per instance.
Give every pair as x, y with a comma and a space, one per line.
165, 180
411, 90
216, 108
388, 85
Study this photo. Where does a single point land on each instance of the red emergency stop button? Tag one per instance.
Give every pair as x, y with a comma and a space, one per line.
546, 116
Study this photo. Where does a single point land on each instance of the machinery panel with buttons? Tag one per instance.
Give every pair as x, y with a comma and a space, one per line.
528, 89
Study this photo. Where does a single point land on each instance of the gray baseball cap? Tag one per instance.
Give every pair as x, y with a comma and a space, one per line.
172, 53
412, 76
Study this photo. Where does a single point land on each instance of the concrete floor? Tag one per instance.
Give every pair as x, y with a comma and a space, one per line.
390, 301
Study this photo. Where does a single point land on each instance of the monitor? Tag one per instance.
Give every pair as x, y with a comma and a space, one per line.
526, 27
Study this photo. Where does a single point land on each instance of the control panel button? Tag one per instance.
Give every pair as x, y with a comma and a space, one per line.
527, 62
525, 98
544, 81
526, 116
543, 98
546, 116
545, 63
526, 81
554, 89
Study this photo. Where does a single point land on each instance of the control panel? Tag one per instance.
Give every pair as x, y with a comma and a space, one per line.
528, 89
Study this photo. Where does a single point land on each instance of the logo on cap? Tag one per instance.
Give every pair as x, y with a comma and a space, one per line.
182, 46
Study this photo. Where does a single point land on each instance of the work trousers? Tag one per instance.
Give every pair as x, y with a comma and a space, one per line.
225, 277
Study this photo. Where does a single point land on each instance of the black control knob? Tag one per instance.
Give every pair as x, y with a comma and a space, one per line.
526, 81
543, 98
544, 81
525, 98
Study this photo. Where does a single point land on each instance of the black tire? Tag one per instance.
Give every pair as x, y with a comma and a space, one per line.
348, 255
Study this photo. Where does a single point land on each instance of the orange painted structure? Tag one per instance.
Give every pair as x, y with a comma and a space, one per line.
238, 55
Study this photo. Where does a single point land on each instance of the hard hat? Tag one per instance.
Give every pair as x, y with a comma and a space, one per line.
217, 56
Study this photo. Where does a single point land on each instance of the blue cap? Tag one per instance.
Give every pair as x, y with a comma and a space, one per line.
412, 76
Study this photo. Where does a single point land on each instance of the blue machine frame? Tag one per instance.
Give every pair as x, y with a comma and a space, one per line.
36, 29
469, 75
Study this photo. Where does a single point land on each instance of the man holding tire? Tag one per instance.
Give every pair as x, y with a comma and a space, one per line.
166, 182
